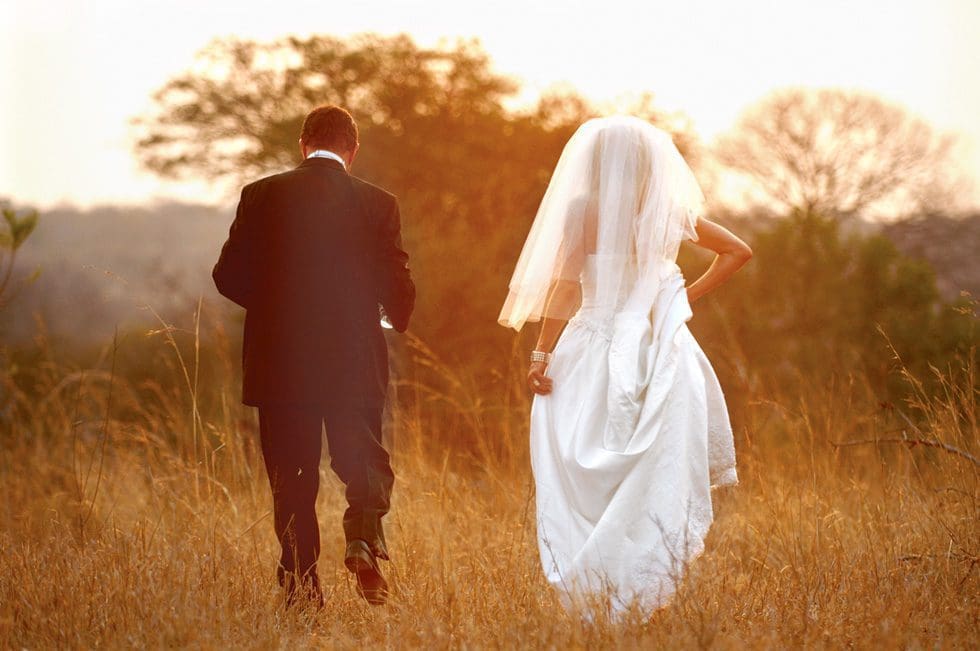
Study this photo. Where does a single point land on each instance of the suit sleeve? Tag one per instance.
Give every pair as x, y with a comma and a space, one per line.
396, 288
233, 274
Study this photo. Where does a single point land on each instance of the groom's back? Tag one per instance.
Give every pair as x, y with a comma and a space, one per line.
311, 255
316, 241
311, 331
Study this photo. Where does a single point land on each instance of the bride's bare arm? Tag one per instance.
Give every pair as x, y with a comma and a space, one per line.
732, 254
564, 294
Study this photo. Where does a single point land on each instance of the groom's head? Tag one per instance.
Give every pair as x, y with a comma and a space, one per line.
330, 127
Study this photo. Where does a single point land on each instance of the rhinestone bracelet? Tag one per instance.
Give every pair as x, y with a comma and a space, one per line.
540, 356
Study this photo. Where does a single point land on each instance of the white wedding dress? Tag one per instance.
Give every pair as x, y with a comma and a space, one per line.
627, 447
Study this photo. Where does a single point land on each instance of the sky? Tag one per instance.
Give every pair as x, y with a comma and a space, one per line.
73, 73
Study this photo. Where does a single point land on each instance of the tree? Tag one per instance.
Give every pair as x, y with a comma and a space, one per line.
811, 303
239, 113
16, 231
435, 130
839, 153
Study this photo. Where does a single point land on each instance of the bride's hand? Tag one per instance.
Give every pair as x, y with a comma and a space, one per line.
537, 380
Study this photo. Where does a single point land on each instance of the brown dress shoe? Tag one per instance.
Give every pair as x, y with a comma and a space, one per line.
370, 583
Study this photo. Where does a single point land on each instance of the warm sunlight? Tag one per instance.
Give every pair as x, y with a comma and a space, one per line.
74, 74
418, 324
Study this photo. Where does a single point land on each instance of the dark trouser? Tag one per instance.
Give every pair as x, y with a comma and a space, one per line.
291, 444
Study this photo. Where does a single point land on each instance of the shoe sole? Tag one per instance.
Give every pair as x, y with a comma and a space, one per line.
370, 584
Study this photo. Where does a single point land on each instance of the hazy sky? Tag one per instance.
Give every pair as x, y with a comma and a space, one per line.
73, 72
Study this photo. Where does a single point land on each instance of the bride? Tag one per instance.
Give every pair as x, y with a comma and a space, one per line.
629, 428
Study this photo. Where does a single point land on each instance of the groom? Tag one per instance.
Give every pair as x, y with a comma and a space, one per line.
311, 255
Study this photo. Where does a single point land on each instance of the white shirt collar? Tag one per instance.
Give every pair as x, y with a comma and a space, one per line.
326, 153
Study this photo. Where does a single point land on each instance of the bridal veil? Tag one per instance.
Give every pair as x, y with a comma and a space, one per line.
621, 191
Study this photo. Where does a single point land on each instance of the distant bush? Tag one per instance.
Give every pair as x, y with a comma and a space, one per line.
817, 302
13, 233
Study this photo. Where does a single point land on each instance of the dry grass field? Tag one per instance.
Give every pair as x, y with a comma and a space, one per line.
135, 513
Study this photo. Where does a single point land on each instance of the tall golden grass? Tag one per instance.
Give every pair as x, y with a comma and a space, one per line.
135, 513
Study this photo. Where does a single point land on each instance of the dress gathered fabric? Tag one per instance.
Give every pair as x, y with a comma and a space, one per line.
627, 447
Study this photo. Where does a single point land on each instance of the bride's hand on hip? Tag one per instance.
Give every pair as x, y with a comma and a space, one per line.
539, 383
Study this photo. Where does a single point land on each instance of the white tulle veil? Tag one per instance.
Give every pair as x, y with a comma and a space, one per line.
621, 191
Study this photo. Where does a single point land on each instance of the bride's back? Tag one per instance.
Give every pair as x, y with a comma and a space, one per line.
622, 193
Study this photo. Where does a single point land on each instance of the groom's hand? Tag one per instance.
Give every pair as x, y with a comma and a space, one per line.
540, 383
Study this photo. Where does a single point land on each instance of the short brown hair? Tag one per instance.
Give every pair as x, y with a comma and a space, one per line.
330, 127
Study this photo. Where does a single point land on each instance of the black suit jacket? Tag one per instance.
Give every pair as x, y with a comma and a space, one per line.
310, 256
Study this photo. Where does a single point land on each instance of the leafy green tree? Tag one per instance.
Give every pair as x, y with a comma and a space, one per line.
817, 301
15, 232
435, 130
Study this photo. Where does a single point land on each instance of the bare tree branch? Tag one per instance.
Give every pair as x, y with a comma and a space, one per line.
840, 153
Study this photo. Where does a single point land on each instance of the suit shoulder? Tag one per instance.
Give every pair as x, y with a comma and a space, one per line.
272, 178
269, 181
249, 187
372, 192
